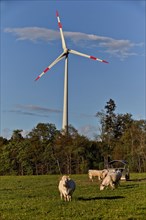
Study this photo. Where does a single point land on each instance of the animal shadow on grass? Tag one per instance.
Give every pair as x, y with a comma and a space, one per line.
137, 180
101, 198
130, 186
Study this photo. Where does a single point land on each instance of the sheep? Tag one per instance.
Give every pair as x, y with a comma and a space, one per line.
104, 174
94, 173
112, 179
66, 188
97, 173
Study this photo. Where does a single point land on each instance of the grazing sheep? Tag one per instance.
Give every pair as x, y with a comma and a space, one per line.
66, 188
104, 174
112, 179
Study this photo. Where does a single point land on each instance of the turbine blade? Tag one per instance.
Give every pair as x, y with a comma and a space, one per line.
51, 65
61, 31
85, 55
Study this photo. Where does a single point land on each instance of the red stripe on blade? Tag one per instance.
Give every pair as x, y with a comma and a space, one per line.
60, 25
93, 58
46, 69
37, 78
104, 61
57, 14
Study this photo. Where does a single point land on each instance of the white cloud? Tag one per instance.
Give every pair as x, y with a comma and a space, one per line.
89, 130
24, 133
6, 133
116, 47
34, 33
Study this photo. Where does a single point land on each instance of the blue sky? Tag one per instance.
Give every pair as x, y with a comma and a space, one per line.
30, 41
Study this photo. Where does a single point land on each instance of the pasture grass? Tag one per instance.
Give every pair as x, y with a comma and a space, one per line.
37, 198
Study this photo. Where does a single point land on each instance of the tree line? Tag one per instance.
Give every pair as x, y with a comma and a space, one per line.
46, 150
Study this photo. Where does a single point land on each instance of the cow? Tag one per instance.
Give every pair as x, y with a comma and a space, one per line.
112, 179
66, 188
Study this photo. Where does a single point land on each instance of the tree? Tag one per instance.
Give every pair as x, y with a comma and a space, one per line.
113, 127
71, 152
17, 135
42, 140
133, 144
45, 150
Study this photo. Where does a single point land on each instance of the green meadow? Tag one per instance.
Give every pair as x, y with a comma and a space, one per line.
37, 198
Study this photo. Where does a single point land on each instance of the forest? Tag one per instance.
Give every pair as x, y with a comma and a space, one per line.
46, 150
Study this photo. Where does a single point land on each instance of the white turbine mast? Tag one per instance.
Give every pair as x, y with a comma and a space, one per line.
65, 54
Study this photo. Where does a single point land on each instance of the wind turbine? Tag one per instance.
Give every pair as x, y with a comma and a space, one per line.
65, 54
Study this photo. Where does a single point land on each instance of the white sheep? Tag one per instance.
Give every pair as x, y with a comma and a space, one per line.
66, 188
112, 179
94, 173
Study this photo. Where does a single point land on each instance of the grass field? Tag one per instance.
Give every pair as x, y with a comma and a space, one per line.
37, 198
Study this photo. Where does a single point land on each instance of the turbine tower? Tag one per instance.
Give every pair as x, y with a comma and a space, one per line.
65, 54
